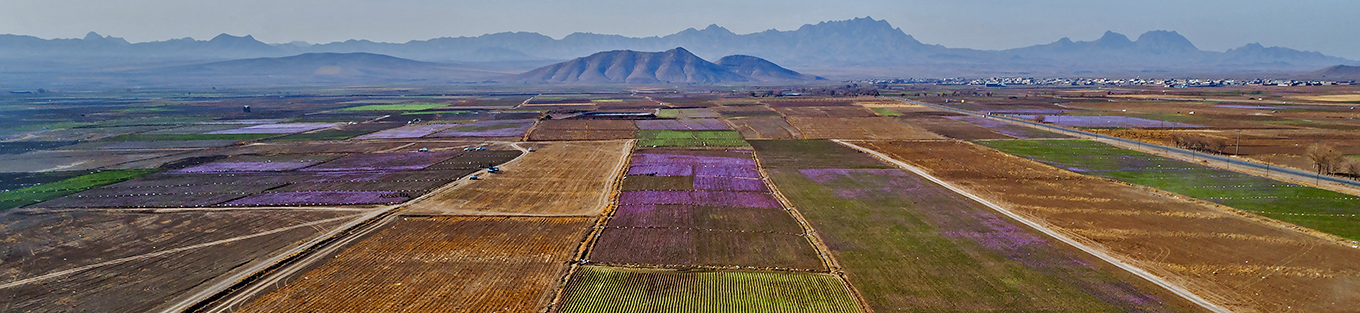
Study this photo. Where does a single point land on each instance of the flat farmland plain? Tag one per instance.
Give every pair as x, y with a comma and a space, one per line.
859, 128
560, 178
1238, 261
764, 128
726, 218
909, 245
606, 289
135, 262
550, 130
955, 129
439, 264
1323, 210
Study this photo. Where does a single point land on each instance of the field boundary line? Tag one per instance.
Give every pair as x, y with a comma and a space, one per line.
610, 208
1176, 289
169, 251
221, 297
832, 265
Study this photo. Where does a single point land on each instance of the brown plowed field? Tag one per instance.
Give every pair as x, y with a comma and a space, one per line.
194, 248
551, 130
764, 128
955, 129
827, 111
564, 178
1238, 261
859, 128
439, 264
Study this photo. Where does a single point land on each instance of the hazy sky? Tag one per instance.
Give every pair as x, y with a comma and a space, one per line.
1328, 26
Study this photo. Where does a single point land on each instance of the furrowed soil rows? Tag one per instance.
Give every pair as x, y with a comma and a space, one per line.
726, 218
860, 128
48, 243
565, 178
955, 129
606, 289
907, 244
1237, 261
439, 264
1327, 211
552, 130
765, 128
826, 112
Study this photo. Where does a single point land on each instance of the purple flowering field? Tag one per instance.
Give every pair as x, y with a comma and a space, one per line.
288, 128
728, 183
661, 169
244, 167
408, 131
912, 214
1108, 121
683, 124
385, 161
489, 128
744, 171
699, 197
318, 198
1024, 111
1006, 128
690, 159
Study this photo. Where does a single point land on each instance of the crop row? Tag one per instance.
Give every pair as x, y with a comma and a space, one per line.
605, 289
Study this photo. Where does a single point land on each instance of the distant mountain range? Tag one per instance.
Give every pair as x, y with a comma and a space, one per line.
851, 48
672, 66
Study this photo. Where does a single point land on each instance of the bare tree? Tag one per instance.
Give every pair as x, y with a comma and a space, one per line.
1325, 158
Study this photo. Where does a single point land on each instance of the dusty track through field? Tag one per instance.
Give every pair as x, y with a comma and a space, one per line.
167, 251
1176, 289
221, 297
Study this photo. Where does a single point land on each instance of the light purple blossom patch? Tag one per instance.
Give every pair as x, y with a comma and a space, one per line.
274, 129
728, 183
244, 167
408, 131
661, 169
710, 198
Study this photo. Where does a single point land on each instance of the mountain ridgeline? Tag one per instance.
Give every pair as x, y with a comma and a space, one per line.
856, 48
675, 66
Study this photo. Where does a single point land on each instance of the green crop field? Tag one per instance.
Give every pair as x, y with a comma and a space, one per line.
437, 112
1323, 210
885, 112
397, 107
21, 197
909, 245
695, 138
165, 137
606, 289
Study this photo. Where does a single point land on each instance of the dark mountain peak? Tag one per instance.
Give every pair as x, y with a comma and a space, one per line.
1113, 40
93, 36
634, 67
1162, 41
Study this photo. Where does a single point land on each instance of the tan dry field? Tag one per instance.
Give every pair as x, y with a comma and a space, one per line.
824, 111
559, 178
764, 128
1242, 262
439, 264
551, 130
1330, 98
859, 128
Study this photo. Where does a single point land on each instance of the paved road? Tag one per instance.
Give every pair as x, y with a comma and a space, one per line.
1176, 289
1294, 174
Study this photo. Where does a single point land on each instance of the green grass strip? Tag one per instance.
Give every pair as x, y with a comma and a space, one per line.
885, 112
605, 289
323, 135
21, 197
691, 138
1323, 210
397, 107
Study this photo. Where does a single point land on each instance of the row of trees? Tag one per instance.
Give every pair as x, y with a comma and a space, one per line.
1327, 159
1199, 142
